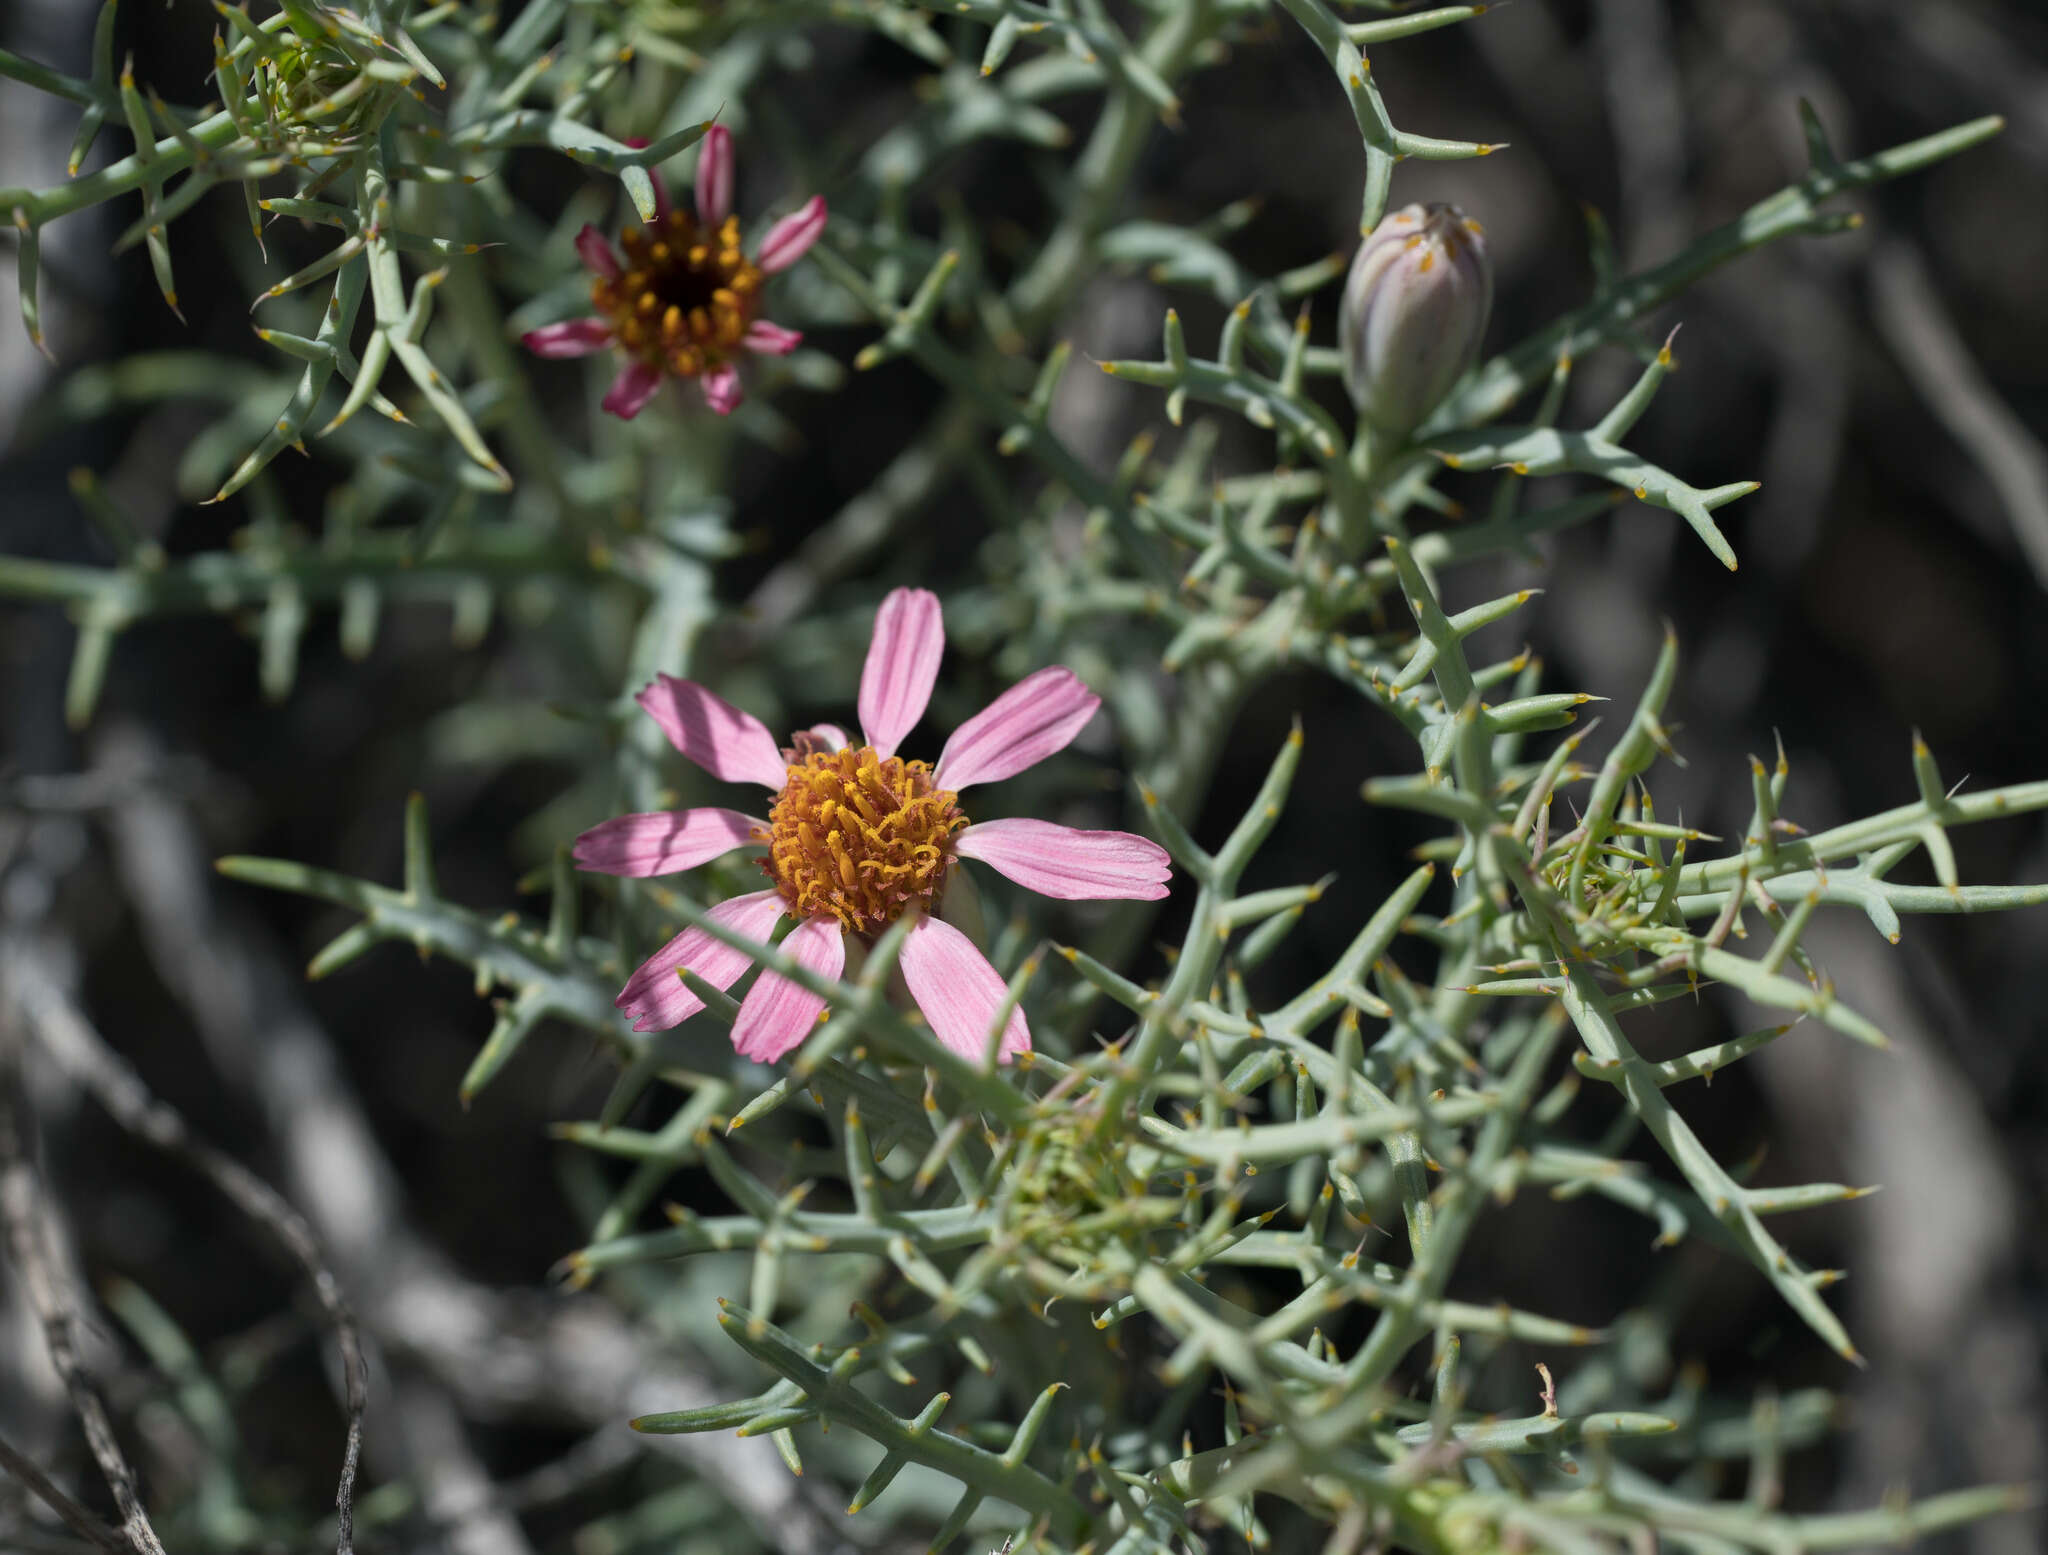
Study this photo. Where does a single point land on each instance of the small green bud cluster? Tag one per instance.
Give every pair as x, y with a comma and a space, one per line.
314, 83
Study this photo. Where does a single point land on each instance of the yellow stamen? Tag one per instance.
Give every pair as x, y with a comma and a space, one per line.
686, 296
860, 837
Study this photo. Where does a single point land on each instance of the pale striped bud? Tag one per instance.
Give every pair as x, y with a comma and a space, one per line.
1415, 307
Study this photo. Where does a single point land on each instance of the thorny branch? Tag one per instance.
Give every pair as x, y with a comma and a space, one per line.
498, 1354
1595, 922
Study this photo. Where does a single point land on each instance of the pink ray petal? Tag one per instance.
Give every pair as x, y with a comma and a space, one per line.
595, 249
656, 998
714, 176
1071, 865
902, 666
791, 238
1039, 715
664, 842
571, 337
778, 1015
710, 731
959, 991
632, 389
771, 339
722, 388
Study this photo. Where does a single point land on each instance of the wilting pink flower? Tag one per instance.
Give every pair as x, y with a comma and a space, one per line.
857, 836
684, 301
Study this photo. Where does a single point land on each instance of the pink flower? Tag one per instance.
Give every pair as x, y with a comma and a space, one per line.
858, 836
684, 301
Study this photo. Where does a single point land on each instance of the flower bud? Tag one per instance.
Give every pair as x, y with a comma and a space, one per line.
1415, 306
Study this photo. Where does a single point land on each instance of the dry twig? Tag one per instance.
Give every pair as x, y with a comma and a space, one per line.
76, 1517
23, 1212
79, 1050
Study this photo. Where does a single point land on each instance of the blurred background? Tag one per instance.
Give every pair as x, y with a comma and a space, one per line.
1889, 388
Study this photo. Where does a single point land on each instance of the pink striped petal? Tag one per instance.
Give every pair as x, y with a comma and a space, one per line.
722, 388
665, 842
959, 991
791, 238
714, 176
656, 998
1071, 865
778, 1015
710, 731
632, 389
771, 339
902, 666
572, 337
829, 736
596, 252
1039, 715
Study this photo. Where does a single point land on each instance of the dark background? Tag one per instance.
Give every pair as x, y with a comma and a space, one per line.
1888, 387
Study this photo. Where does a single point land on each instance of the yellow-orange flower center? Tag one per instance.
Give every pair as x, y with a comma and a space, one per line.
860, 836
685, 297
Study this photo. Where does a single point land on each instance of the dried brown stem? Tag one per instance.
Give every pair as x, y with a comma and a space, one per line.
79, 1050
76, 1517
23, 1213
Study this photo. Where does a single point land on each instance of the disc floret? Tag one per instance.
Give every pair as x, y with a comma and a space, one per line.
859, 836
685, 297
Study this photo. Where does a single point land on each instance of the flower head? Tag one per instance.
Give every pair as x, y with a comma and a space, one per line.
1414, 310
859, 836
685, 301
